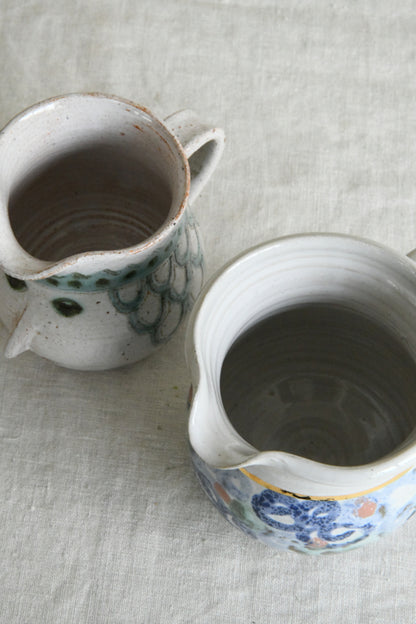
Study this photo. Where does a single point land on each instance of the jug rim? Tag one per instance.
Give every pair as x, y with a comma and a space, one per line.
32, 268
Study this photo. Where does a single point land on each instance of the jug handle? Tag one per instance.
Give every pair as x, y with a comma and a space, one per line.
203, 146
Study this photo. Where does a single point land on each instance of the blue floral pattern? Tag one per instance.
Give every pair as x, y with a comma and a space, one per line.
289, 522
306, 517
154, 295
171, 287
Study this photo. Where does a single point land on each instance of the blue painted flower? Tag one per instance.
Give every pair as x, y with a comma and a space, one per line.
156, 303
304, 517
238, 510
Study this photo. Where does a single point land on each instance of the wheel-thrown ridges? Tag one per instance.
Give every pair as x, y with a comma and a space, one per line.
330, 386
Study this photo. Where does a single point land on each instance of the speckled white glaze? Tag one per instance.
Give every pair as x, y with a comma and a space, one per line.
100, 253
283, 498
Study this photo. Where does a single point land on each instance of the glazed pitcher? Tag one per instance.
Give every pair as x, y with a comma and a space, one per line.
100, 254
302, 422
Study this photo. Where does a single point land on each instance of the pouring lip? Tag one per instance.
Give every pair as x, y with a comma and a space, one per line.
301, 477
44, 268
236, 453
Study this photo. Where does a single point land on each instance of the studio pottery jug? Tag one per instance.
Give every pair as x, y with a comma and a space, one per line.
100, 253
302, 423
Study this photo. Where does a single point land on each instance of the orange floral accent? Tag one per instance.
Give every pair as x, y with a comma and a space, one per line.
366, 509
220, 490
317, 542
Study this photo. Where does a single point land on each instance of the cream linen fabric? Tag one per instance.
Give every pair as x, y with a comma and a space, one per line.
102, 520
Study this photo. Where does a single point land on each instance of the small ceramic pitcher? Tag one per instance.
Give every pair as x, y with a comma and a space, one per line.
303, 415
100, 253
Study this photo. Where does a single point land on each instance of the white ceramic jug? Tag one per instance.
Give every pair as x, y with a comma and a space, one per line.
100, 254
302, 421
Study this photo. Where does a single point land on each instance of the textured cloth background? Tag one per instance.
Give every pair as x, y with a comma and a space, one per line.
102, 520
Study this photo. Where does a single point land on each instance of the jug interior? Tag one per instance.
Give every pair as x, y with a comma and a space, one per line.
87, 173
99, 196
321, 381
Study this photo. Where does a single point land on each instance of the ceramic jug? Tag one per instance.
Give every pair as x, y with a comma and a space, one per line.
100, 253
302, 421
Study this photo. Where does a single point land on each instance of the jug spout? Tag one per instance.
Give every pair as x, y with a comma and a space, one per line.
14, 260
216, 441
21, 337
220, 447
